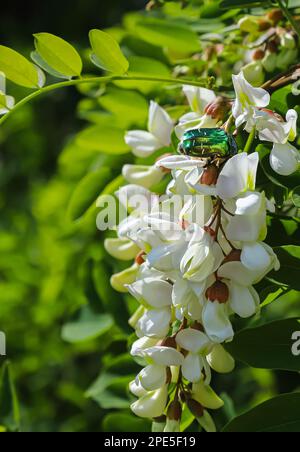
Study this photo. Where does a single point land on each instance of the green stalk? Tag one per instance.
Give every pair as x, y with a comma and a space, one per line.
104, 80
284, 8
250, 140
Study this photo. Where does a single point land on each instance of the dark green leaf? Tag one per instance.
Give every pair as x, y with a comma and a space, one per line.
9, 407
288, 275
281, 414
125, 422
296, 197
268, 346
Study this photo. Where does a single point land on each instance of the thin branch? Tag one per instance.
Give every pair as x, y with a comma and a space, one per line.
103, 80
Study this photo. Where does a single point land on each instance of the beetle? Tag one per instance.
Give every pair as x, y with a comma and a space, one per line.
208, 143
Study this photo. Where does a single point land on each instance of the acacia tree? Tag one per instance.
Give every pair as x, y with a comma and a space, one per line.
215, 156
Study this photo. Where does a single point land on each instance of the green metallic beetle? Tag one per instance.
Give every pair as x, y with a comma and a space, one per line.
208, 143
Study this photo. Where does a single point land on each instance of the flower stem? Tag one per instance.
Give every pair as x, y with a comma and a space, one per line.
283, 6
100, 80
250, 140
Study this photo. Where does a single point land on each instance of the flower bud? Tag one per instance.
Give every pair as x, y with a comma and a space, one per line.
169, 342
145, 176
286, 57
249, 24
234, 256
206, 396
133, 321
210, 175
264, 25
122, 249
195, 408
270, 62
219, 108
152, 405
272, 46
158, 425
119, 281
275, 16
288, 41
172, 426
140, 260
259, 54
174, 411
207, 422
254, 73
218, 292
162, 168
220, 360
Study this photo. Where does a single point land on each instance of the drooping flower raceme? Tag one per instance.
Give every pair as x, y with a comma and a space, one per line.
194, 272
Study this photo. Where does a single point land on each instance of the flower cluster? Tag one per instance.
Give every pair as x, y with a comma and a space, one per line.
196, 261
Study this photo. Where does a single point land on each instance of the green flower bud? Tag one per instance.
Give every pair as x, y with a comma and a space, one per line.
249, 24
220, 360
122, 249
288, 41
207, 422
206, 396
127, 277
286, 58
270, 62
254, 73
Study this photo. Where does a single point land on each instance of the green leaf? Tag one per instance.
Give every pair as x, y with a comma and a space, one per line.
58, 54
227, 4
9, 407
107, 140
288, 275
19, 70
268, 346
175, 37
296, 197
130, 107
89, 326
107, 53
125, 422
87, 192
281, 414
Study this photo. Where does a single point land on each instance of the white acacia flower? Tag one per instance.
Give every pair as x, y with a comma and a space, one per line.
199, 99
249, 223
238, 175
273, 129
206, 396
216, 321
146, 176
248, 99
155, 323
160, 127
6, 103
154, 376
285, 159
202, 258
152, 404
152, 292
198, 345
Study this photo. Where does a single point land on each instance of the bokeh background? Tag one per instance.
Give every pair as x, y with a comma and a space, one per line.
66, 328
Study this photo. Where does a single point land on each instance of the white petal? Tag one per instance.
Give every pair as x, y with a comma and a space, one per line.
154, 292
249, 204
234, 177
285, 159
160, 124
242, 301
142, 344
152, 377
137, 389
146, 176
220, 360
165, 356
122, 249
192, 368
152, 404
143, 143
193, 341
216, 322
155, 323
206, 396
236, 272
255, 257
245, 228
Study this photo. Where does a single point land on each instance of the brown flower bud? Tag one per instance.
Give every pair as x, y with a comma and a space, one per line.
219, 108
195, 408
272, 46
210, 175
184, 224
259, 54
197, 326
218, 292
264, 25
160, 420
275, 16
169, 342
210, 231
174, 411
234, 256
140, 258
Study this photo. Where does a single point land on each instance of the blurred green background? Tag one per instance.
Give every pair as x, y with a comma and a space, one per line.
64, 324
